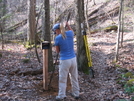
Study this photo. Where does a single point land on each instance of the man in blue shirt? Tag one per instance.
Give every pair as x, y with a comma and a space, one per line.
68, 65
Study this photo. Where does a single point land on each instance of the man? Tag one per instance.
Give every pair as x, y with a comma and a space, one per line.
68, 65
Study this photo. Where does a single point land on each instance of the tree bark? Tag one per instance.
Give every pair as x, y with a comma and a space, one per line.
81, 51
2, 23
118, 34
31, 21
122, 23
86, 15
46, 32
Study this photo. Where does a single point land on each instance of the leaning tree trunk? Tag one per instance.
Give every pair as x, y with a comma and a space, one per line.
118, 34
81, 51
46, 32
31, 21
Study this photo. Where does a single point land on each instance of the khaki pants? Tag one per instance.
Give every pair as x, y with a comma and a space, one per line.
68, 66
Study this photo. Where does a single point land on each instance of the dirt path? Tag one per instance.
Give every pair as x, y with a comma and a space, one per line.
19, 87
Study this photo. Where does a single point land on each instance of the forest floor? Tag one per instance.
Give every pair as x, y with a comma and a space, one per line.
16, 85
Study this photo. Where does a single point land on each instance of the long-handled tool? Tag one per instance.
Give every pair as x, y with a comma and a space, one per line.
55, 63
68, 17
91, 72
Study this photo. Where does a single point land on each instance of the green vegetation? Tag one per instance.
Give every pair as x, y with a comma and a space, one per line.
10, 49
5, 17
13, 41
26, 60
19, 33
117, 65
121, 100
106, 29
128, 75
0, 55
132, 98
110, 28
123, 70
95, 31
126, 80
129, 89
28, 46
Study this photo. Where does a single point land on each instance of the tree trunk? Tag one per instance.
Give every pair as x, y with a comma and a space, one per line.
94, 2
118, 34
86, 15
81, 51
46, 32
2, 39
31, 21
122, 23
2, 23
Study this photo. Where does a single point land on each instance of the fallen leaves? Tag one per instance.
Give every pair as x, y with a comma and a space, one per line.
23, 81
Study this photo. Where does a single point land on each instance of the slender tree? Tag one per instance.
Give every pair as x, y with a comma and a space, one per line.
32, 25
31, 21
2, 21
86, 17
132, 12
46, 31
118, 33
122, 23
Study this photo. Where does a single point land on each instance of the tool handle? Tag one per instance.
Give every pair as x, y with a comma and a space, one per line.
68, 17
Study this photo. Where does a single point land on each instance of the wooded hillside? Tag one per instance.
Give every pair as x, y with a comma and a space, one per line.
21, 72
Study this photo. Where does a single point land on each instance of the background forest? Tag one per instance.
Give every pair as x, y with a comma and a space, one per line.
25, 24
